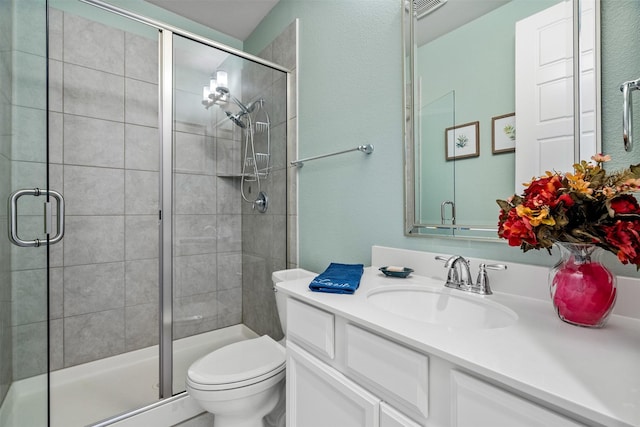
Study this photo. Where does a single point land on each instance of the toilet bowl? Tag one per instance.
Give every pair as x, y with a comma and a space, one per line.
243, 382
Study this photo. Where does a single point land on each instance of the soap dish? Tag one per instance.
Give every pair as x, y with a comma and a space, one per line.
403, 272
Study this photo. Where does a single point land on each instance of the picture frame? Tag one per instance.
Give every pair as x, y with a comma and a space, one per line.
503, 133
462, 141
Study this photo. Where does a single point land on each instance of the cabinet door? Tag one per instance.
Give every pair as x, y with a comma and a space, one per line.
476, 403
320, 396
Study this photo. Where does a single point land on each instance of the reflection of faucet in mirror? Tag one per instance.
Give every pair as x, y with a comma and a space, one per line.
453, 211
446, 94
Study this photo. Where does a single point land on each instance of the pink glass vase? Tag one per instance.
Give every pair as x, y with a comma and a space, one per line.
583, 290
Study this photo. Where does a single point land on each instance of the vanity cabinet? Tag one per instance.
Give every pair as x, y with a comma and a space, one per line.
341, 374
319, 396
475, 402
321, 374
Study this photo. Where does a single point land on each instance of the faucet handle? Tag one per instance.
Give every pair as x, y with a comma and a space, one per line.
482, 283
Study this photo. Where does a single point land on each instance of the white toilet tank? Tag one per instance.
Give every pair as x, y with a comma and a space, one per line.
284, 276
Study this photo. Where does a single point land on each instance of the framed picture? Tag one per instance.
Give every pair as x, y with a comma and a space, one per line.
462, 141
503, 134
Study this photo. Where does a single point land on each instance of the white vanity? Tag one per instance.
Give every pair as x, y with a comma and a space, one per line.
374, 359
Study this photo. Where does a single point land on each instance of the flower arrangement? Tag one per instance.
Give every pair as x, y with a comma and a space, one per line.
586, 206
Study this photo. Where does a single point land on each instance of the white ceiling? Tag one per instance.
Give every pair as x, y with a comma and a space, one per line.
452, 14
236, 18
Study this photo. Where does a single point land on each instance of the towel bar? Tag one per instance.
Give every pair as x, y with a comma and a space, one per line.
367, 149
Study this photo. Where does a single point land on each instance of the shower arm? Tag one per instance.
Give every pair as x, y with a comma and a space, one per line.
225, 91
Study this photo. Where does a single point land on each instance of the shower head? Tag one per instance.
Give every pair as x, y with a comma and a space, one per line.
236, 118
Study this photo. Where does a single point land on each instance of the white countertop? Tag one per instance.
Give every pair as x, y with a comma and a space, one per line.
594, 373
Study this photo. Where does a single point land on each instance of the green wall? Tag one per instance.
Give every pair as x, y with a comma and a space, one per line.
477, 62
350, 92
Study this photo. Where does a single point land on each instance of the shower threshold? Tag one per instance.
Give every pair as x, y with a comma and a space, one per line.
86, 394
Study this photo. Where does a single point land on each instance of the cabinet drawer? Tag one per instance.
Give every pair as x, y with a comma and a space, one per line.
310, 327
398, 374
389, 417
475, 402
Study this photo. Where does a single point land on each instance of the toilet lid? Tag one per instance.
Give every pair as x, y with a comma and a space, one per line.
238, 362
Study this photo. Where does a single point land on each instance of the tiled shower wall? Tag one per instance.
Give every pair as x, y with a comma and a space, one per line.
104, 139
207, 243
6, 13
269, 239
24, 86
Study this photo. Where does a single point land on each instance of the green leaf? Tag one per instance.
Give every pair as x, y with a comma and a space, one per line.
504, 205
597, 179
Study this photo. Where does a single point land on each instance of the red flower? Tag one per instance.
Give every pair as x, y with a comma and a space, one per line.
567, 200
543, 192
516, 229
625, 236
587, 205
624, 204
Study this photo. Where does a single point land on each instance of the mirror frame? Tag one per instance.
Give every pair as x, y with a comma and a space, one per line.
414, 228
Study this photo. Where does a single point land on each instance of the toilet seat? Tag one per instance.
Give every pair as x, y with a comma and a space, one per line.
238, 365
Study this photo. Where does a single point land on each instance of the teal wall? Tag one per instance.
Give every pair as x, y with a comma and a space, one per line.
477, 62
350, 92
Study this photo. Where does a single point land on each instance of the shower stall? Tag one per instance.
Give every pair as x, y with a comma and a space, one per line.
175, 201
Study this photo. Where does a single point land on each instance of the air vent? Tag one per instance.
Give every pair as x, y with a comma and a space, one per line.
424, 7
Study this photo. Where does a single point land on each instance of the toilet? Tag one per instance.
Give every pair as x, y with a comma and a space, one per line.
243, 382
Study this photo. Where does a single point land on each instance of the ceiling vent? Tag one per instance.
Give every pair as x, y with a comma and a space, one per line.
424, 7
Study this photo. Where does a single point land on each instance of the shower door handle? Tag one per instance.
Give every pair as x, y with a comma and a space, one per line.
13, 217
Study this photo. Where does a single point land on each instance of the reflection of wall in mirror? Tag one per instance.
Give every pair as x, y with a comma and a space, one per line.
620, 29
436, 180
479, 61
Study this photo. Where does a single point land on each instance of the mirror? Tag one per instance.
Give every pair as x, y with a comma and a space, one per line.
489, 104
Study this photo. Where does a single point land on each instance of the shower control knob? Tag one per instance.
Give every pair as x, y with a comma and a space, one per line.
261, 203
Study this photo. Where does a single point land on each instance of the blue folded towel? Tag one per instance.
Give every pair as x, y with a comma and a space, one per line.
338, 279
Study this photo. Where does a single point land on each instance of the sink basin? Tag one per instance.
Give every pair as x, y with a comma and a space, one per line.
442, 307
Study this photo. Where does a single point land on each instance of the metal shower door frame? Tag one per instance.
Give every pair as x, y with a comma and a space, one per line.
165, 215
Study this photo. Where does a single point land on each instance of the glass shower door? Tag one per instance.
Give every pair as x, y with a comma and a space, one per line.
105, 153
23, 166
229, 199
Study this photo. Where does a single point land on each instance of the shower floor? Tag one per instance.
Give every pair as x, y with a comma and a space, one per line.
86, 394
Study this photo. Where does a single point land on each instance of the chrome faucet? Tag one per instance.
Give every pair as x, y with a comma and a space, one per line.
459, 275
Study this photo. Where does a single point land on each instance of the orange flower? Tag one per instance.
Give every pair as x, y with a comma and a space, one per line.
586, 205
578, 184
535, 216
